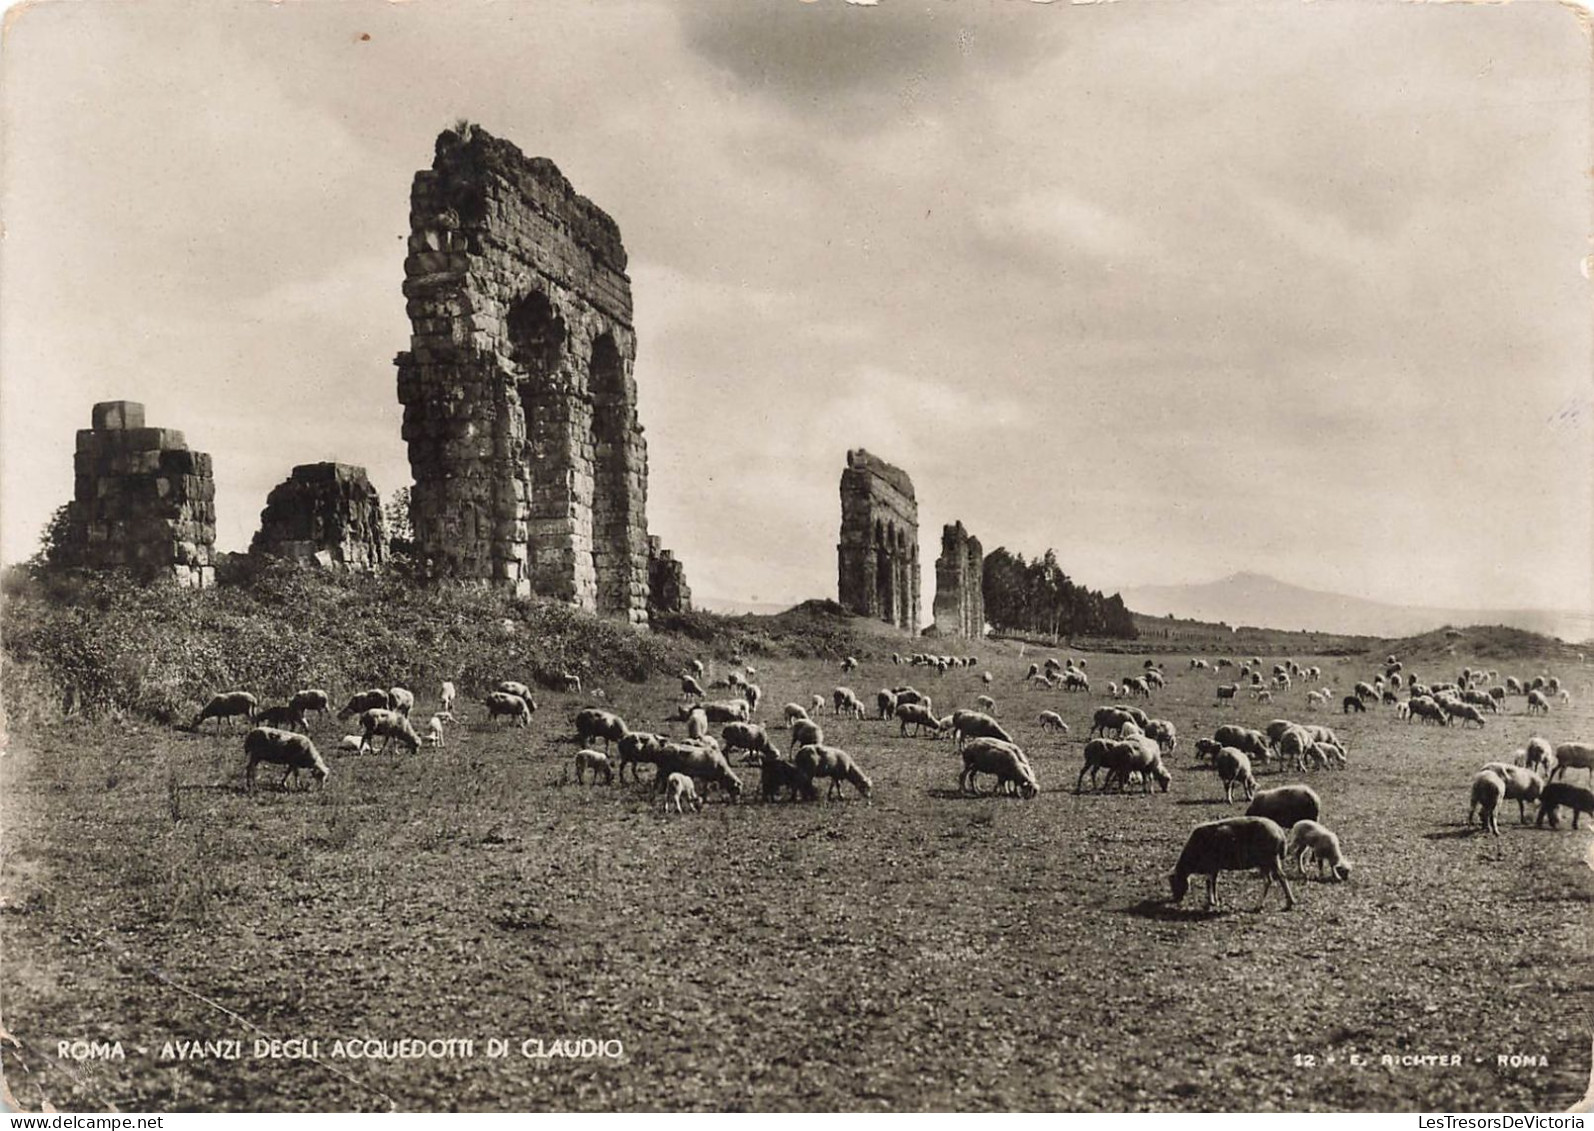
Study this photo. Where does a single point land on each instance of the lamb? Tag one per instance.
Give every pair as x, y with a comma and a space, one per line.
365, 701
281, 718
503, 703
595, 763
434, 728
1537, 703
749, 737
849, 664
845, 699
1539, 756
816, 703
836, 764
1310, 839
1488, 790
310, 699
919, 718
985, 703
283, 748
973, 724
1051, 720
592, 723
679, 788
391, 726
639, 748
1286, 805
227, 705
1237, 844
702, 762
806, 732
446, 700
401, 699
1314, 700
1521, 785
886, 703
752, 693
1234, 769
353, 742
1559, 793
1134, 685
1003, 759
793, 712
1574, 756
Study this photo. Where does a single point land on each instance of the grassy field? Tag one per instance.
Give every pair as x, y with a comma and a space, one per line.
920, 950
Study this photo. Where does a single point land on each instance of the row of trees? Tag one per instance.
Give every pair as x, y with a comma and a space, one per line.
1039, 597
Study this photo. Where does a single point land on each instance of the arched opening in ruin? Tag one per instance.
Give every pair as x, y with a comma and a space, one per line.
614, 541
536, 335
537, 342
886, 572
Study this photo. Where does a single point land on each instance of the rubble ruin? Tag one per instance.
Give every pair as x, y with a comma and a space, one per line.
878, 556
667, 589
959, 581
520, 413
141, 500
326, 514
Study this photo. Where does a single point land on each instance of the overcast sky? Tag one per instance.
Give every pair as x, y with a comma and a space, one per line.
1175, 288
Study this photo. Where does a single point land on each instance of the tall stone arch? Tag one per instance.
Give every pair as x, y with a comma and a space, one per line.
877, 555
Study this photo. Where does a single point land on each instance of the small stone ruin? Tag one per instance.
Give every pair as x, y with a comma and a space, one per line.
878, 556
519, 403
959, 584
667, 591
141, 501
325, 514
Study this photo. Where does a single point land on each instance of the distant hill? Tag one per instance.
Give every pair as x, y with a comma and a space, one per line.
726, 606
1256, 599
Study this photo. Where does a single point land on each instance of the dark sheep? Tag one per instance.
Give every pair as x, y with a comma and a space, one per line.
365, 701
283, 748
227, 705
1286, 804
1238, 844
1559, 793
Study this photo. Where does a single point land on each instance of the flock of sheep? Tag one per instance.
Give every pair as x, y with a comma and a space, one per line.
1124, 744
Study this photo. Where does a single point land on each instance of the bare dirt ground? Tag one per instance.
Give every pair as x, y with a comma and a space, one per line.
920, 950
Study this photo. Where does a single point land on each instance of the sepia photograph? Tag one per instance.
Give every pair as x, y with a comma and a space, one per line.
797, 556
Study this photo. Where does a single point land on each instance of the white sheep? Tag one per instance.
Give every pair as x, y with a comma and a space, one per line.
284, 748
446, 700
846, 699
793, 712
595, 763
434, 728
1488, 790
401, 699
985, 703
679, 788
1521, 785
816, 703
352, 742
1051, 720
1310, 839
1234, 769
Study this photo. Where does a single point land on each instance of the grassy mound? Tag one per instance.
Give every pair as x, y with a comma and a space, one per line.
1483, 642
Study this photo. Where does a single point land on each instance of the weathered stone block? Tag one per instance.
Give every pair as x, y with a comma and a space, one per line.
116, 415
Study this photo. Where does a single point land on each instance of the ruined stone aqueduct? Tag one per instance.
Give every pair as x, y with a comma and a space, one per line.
529, 463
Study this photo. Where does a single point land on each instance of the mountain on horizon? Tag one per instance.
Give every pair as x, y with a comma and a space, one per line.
1265, 602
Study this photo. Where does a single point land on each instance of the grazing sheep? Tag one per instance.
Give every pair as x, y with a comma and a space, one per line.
281, 718
1035, 671
1574, 756
974, 724
723, 711
806, 732
311, 699
1236, 844
1003, 759
831, 762
513, 687
679, 788
911, 695
776, 775
1163, 733
816, 703
1488, 790
1537, 703
917, 716
639, 748
352, 742
1100, 754
1353, 703
749, 737
391, 726
365, 701
1467, 714
696, 723
793, 712
985, 703
446, 699
1286, 805
592, 723
1228, 691
845, 699
283, 748
704, 763
752, 693
1234, 769
1110, 719
595, 763
697, 667
227, 705
733, 679
1559, 793
401, 699
1310, 839
985, 678
1252, 742
1521, 785
1206, 749
503, 703
1076, 681
849, 664
886, 703
1538, 756
690, 688
1051, 720
1136, 756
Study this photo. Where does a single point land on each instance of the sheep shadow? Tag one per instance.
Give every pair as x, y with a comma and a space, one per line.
1455, 832
1202, 801
1164, 911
